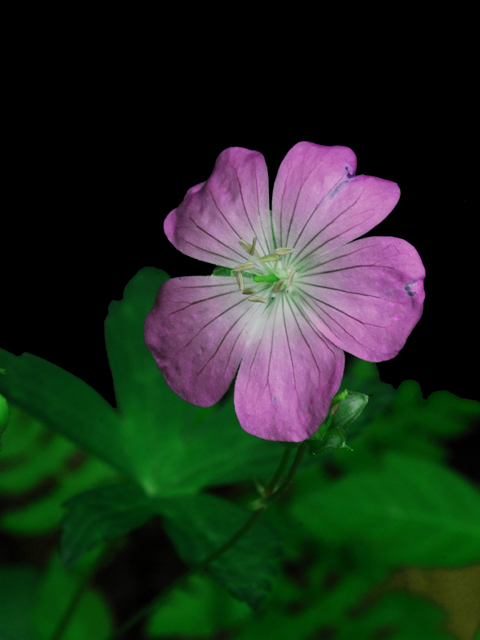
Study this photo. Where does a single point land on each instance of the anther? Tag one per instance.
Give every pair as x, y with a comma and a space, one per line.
246, 246
257, 299
290, 278
244, 266
277, 286
239, 277
248, 292
249, 248
282, 251
272, 257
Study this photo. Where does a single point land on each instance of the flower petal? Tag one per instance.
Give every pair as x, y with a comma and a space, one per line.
367, 295
196, 331
232, 205
319, 204
288, 376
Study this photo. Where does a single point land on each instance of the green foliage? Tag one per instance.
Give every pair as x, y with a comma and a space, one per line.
199, 610
3, 415
198, 525
18, 586
100, 515
431, 510
390, 503
91, 618
45, 467
181, 448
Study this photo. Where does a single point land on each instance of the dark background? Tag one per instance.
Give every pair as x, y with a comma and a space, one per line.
107, 138
108, 128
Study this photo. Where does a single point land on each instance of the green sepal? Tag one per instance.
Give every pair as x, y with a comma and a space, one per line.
345, 408
223, 271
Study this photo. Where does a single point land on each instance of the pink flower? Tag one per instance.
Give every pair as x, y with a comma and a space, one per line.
303, 293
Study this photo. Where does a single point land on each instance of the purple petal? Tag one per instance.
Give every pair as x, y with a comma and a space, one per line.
288, 376
196, 331
368, 295
232, 205
319, 205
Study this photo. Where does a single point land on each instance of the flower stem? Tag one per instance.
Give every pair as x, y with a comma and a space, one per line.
271, 493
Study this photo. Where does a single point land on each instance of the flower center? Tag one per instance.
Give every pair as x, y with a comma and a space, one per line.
271, 272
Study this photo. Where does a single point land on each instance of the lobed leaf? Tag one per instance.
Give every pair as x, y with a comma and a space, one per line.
407, 511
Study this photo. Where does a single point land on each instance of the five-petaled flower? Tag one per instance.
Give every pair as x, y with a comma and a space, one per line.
305, 288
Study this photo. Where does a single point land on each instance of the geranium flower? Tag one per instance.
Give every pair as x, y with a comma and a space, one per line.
305, 289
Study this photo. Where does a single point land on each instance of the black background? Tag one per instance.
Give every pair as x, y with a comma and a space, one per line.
108, 128
107, 139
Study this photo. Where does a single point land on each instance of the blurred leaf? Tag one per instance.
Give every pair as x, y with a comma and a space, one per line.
403, 421
91, 618
49, 467
100, 515
3, 415
65, 404
18, 587
200, 609
407, 511
200, 524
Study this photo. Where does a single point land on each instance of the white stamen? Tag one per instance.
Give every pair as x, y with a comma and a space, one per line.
244, 266
246, 246
272, 257
239, 277
249, 248
290, 278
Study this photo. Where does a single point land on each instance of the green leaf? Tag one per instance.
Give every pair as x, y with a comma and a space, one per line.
17, 595
200, 609
48, 468
91, 618
200, 524
101, 515
3, 415
174, 446
156, 439
407, 511
64, 403
223, 271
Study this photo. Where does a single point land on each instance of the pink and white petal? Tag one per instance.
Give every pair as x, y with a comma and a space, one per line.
319, 204
288, 376
197, 331
366, 296
232, 205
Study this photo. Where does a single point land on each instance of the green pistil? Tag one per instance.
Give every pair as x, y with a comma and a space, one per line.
269, 278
